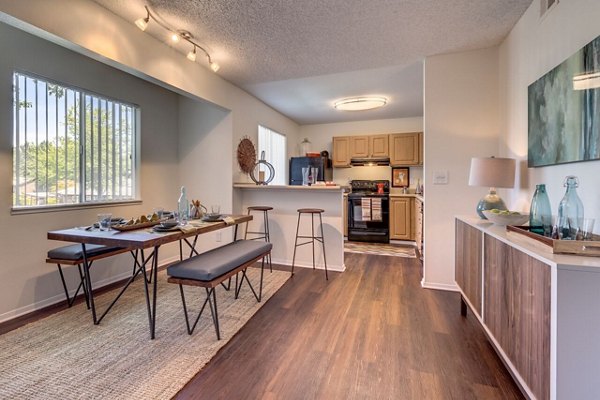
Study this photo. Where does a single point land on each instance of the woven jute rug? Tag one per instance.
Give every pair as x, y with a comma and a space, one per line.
65, 356
380, 249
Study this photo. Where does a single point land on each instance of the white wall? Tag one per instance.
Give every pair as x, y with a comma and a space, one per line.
534, 47
89, 29
461, 121
321, 138
25, 279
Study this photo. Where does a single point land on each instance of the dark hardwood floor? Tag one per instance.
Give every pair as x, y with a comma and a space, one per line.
371, 332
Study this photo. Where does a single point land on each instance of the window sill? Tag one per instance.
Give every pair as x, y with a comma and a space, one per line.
69, 207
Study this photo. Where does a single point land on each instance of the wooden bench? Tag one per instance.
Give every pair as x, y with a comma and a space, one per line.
212, 268
73, 255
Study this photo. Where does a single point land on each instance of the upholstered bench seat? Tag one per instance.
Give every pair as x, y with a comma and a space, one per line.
214, 263
212, 268
74, 251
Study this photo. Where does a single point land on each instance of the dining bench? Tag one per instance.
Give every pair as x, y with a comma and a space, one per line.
212, 268
73, 255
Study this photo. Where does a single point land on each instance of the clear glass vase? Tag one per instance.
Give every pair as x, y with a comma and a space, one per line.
570, 209
540, 213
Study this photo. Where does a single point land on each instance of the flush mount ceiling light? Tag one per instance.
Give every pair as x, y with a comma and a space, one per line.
175, 35
360, 103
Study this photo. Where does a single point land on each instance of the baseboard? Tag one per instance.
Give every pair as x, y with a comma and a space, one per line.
38, 305
439, 286
334, 268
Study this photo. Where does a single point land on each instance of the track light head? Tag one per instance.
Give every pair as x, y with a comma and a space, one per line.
142, 23
214, 66
174, 37
192, 54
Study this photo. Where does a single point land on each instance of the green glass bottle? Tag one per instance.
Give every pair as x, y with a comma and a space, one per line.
540, 213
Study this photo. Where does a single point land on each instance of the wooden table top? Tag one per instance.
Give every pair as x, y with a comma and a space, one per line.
140, 238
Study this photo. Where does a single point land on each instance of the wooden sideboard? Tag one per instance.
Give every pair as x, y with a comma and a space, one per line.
537, 308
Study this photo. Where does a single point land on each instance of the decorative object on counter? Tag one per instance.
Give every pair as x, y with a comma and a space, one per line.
197, 210
563, 111
492, 172
400, 177
570, 209
183, 207
246, 155
261, 175
540, 212
505, 217
305, 147
419, 188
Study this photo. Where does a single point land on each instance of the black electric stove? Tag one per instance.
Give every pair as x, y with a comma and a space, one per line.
369, 211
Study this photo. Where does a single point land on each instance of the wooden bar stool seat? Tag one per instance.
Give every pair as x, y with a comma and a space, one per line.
312, 212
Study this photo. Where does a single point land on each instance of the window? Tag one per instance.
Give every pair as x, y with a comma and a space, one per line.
274, 145
71, 146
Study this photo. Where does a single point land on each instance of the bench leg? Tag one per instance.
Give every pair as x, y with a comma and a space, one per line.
245, 276
212, 303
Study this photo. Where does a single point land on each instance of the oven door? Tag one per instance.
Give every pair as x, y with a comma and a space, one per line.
368, 226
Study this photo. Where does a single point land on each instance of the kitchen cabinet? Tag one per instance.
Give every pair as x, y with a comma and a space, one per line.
341, 151
359, 146
401, 218
379, 146
419, 226
405, 149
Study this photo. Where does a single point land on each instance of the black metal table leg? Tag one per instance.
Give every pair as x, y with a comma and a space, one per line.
88, 283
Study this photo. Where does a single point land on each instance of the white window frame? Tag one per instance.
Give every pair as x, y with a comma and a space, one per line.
279, 161
83, 178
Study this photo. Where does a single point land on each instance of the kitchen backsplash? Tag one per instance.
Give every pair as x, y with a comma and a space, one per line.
342, 175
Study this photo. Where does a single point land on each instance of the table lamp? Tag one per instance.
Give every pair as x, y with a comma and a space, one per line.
494, 173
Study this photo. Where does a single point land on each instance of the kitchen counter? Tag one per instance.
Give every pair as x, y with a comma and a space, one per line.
416, 196
252, 186
283, 219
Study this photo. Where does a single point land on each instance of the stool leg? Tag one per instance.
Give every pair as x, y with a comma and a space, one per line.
246, 232
323, 243
312, 227
295, 244
267, 238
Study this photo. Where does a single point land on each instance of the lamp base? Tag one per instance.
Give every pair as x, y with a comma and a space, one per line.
489, 202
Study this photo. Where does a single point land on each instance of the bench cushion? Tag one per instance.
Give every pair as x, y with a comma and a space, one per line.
73, 251
214, 263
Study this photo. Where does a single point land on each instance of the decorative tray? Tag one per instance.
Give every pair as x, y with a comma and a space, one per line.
123, 227
576, 247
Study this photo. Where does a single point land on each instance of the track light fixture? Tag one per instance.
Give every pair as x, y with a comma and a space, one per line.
175, 36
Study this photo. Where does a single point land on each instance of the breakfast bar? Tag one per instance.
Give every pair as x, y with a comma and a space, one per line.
286, 200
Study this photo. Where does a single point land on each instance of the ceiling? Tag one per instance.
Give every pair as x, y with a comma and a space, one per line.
300, 56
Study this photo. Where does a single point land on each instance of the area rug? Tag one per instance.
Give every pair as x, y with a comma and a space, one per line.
380, 249
65, 356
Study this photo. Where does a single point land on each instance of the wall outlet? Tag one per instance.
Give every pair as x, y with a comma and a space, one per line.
218, 236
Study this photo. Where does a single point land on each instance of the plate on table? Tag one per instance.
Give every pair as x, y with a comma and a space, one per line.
162, 228
212, 217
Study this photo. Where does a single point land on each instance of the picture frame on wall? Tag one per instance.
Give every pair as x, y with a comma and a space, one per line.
400, 177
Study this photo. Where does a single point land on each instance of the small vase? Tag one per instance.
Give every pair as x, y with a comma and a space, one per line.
540, 213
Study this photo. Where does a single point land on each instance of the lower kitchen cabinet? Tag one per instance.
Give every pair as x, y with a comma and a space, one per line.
401, 218
538, 309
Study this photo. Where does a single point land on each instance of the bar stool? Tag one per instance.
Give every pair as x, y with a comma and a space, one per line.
262, 234
312, 212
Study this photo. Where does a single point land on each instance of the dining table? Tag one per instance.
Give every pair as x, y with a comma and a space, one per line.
141, 239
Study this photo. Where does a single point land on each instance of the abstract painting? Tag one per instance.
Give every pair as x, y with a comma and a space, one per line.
564, 111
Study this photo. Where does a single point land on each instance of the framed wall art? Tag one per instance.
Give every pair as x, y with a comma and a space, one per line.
400, 177
564, 111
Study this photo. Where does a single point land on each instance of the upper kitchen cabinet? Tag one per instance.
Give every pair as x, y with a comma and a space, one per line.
406, 149
359, 146
341, 151
379, 146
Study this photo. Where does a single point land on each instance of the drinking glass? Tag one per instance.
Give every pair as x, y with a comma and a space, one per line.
104, 221
585, 229
158, 211
215, 209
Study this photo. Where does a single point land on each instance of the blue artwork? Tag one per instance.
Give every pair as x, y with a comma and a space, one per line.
564, 111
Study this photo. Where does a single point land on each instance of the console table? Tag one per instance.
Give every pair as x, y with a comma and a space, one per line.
539, 310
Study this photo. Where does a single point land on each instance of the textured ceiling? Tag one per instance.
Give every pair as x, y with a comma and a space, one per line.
299, 56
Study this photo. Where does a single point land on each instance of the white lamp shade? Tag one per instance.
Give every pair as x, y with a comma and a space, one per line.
492, 172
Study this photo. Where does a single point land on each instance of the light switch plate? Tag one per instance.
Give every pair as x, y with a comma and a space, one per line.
440, 177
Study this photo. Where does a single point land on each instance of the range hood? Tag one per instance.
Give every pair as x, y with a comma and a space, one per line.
369, 161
